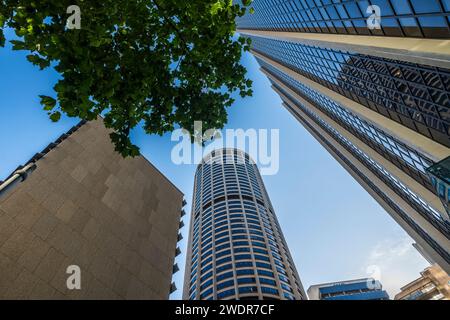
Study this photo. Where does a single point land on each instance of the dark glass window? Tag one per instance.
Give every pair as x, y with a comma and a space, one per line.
224, 276
347, 17
222, 240
244, 264
223, 268
205, 262
241, 272
263, 265
267, 281
223, 253
206, 269
243, 256
260, 251
206, 276
222, 261
246, 280
240, 243
248, 290
269, 290
225, 284
226, 293
260, 257
206, 284
222, 246
205, 294
265, 273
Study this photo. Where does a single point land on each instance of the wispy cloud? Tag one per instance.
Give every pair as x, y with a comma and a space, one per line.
395, 263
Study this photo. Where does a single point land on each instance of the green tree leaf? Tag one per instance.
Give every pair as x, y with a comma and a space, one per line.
2, 37
160, 63
55, 116
47, 102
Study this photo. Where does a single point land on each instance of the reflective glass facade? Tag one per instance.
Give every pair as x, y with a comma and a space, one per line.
396, 185
405, 157
416, 96
381, 109
399, 18
440, 179
236, 247
381, 193
393, 150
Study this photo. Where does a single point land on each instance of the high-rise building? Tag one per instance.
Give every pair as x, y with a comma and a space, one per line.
360, 289
376, 98
236, 247
423, 253
79, 204
434, 284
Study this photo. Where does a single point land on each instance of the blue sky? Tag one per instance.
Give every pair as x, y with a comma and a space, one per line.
334, 229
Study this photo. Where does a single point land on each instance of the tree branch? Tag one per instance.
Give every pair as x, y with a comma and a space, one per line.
171, 23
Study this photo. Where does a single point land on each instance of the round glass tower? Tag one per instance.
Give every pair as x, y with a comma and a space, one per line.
236, 248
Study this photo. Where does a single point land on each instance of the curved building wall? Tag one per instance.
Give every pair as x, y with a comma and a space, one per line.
236, 247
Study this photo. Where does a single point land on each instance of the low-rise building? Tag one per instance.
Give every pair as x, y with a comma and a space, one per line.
359, 289
434, 284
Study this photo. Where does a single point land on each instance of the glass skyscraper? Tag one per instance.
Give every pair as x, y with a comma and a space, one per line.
360, 289
236, 248
378, 99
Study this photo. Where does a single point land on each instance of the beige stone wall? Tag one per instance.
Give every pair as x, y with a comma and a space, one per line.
84, 205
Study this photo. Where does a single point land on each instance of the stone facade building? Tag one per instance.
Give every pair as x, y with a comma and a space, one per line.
83, 204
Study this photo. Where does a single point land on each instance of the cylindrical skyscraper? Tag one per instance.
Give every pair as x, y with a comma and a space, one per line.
236, 248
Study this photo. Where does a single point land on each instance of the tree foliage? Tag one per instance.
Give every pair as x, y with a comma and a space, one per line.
159, 63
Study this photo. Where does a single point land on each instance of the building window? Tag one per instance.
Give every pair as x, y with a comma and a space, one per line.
226, 294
